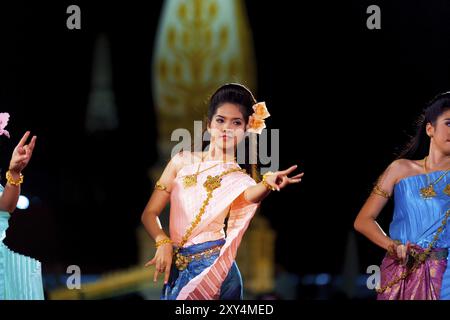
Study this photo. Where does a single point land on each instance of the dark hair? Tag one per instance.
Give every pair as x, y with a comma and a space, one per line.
241, 96
232, 93
419, 145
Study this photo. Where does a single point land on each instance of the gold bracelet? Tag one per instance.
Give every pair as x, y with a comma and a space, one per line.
264, 182
268, 186
13, 182
163, 241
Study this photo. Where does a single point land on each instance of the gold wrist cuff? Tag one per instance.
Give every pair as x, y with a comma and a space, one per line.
163, 241
264, 182
13, 182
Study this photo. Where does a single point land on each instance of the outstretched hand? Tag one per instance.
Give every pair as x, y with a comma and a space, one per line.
22, 154
280, 179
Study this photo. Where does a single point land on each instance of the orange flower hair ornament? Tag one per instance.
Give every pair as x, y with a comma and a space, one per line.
256, 122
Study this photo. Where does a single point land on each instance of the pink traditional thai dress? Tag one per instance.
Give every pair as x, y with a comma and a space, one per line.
212, 272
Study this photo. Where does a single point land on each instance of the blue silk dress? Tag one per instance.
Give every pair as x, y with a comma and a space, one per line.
417, 219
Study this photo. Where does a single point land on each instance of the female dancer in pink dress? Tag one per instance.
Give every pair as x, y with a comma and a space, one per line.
204, 188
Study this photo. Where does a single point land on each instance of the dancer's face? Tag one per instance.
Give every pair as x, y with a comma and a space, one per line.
227, 126
440, 132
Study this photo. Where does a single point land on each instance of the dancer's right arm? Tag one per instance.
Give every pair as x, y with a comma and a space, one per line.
158, 202
366, 223
150, 220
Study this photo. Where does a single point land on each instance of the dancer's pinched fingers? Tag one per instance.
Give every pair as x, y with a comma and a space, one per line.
271, 181
284, 181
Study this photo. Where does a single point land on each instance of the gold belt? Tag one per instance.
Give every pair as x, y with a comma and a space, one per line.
433, 255
182, 261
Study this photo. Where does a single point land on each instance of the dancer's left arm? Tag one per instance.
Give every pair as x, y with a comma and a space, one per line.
19, 160
278, 180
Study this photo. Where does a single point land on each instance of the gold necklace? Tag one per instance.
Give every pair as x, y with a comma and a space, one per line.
190, 180
429, 192
211, 183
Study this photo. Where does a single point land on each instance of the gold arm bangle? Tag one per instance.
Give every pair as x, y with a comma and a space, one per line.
160, 186
377, 190
163, 241
13, 182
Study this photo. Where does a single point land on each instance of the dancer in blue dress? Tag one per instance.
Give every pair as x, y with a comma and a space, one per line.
415, 266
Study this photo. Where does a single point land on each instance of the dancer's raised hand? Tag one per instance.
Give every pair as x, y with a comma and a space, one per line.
279, 179
22, 154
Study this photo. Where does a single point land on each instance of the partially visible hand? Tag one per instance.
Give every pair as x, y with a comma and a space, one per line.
401, 251
22, 154
280, 179
162, 261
